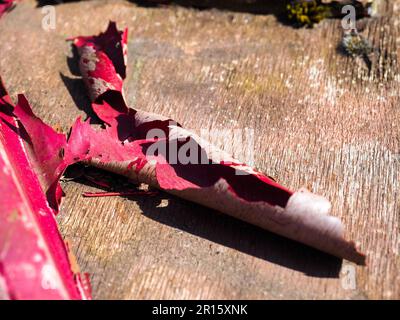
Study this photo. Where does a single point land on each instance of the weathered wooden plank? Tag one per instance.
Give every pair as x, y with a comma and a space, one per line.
320, 120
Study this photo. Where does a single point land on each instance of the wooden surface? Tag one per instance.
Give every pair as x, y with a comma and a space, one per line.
320, 119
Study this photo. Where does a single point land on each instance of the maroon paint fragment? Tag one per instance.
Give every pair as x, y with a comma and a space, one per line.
123, 148
5, 6
34, 260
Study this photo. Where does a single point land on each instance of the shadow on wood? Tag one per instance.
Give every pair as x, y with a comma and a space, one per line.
229, 232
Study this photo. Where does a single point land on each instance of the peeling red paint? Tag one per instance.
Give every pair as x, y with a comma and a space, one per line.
123, 148
34, 261
6, 5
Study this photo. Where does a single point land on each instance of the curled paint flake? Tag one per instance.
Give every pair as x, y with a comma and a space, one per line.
250, 196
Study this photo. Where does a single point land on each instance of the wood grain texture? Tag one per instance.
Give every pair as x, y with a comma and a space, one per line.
320, 120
